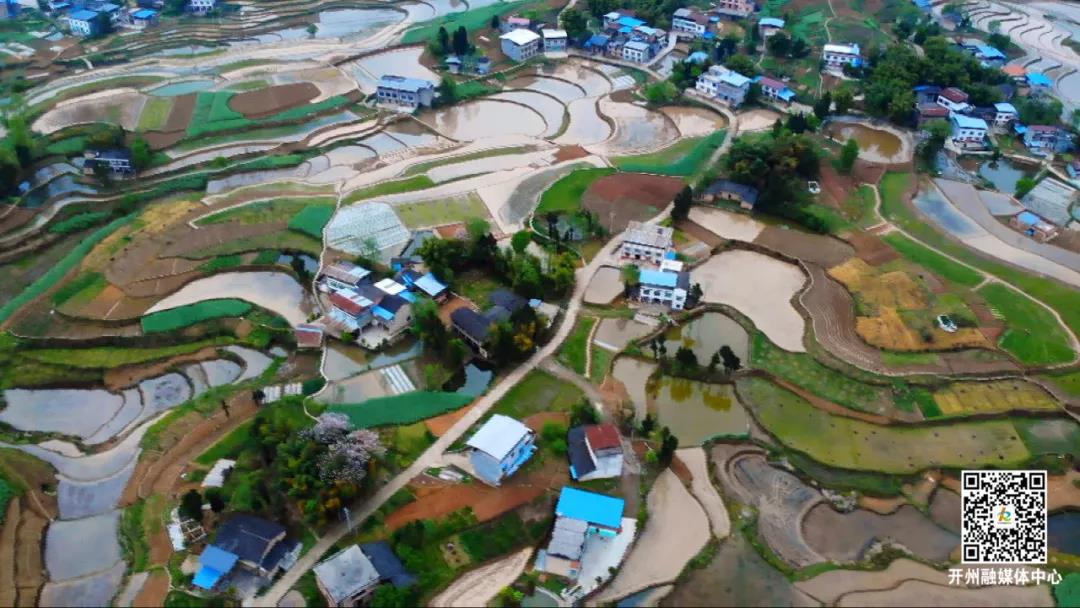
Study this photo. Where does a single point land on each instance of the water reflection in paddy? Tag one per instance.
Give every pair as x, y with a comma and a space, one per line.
181, 88
874, 144
1004, 174
634, 375
706, 334
551, 109
486, 118
696, 411
586, 126
561, 90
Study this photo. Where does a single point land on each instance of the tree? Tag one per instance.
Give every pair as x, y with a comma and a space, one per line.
435, 376
683, 200
140, 153
779, 44
742, 64
686, 358
575, 22
799, 48
427, 326
661, 92
730, 359
520, 241
823, 106
583, 412
648, 423
714, 362
456, 352
727, 46
1001, 42
217, 503
796, 123
444, 40
843, 100
938, 131
695, 293
668, 444
175, 7
495, 22
1023, 186
347, 458
631, 276
599, 8
312, 29
191, 505
848, 155
461, 41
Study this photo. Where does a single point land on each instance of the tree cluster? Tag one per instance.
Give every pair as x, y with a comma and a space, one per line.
457, 43
781, 45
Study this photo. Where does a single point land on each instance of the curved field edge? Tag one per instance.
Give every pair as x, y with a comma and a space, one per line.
400, 409
847, 443
1055, 295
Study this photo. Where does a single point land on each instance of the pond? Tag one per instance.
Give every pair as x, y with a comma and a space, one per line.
696, 411
486, 118
1004, 174
706, 334
181, 88
874, 144
1063, 531
310, 263
274, 291
695, 122
634, 376
472, 380
931, 203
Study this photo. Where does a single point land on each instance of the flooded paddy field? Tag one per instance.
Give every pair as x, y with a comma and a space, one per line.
274, 291
552, 110
705, 334
696, 411
875, 144
634, 375
843, 537
605, 286
616, 334
402, 62
486, 118
637, 128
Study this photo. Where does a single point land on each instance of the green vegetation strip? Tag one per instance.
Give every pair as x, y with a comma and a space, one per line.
213, 114
190, 314
400, 409
847, 443
7, 493
573, 352
684, 158
65, 265
564, 196
1032, 334
155, 113
133, 537
263, 212
79, 222
932, 260
311, 220
117, 356
803, 370
82, 288
228, 446
397, 186
470, 20
1059, 297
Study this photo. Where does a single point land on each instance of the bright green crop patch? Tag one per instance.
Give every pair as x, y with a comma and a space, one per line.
400, 409
312, 219
1032, 334
184, 316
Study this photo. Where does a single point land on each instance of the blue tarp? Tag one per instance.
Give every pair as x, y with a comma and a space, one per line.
1028, 218
206, 578
597, 509
407, 296
596, 40
382, 313
144, 13
657, 278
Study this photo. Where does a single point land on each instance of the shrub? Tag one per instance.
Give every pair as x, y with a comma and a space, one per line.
79, 222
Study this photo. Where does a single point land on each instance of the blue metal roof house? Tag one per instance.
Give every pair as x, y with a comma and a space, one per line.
1038, 79
603, 513
215, 563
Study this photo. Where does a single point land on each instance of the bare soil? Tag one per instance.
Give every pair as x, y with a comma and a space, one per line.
29, 565
154, 591
440, 424
570, 153
15, 217
618, 199
261, 103
871, 248
118, 378
181, 112
7, 554
699, 232
815, 248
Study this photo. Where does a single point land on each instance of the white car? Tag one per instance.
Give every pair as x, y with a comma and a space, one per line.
813, 187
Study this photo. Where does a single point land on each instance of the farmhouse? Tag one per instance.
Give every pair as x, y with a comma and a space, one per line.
473, 326
726, 85
667, 288
520, 44
201, 7
144, 18
775, 90
554, 40
646, 242
350, 576
1004, 114
968, 132
595, 452
344, 275
953, 100
405, 92
117, 162
931, 112
728, 190
736, 9
427, 284
1033, 226
514, 23
769, 26
585, 522
637, 51
1016, 72
1042, 139
1050, 199
689, 22
255, 544
84, 23
499, 448
1038, 83
836, 56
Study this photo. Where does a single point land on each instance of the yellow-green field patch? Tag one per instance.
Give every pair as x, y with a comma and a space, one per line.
155, 113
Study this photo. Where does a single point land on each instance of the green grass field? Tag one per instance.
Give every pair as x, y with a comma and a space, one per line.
228, 446
400, 409
184, 316
932, 260
1069, 381
286, 239
83, 288
853, 444
264, 212
803, 370
58, 271
79, 221
222, 262
442, 211
1032, 334
601, 359
1059, 297
312, 219
397, 186
685, 158
470, 20
155, 113
538, 392
1049, 435
117, 356
573, 352
564, 196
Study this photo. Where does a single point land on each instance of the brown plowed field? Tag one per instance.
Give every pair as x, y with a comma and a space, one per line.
15, 217
435, 498
29, 562
700, 233
7, 554
261, 103
180, 115
871, 248
154, 591
440, 424
813, 248
570, 153
617, 199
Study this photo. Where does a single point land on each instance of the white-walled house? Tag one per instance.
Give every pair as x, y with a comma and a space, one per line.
953, 99
595, 452
725, 85
836, 56
405, 92
646, 242
554, 40
520, 44
499, 448
690, 22
667, 288
968, 132
636, 51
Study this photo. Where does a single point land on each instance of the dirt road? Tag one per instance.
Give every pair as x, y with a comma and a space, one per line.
480, 586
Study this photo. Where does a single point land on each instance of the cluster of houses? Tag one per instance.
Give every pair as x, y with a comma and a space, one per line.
378, 312
652, 245
247, 552
524, 38
626, 37
84, 17
475, 326
692, 22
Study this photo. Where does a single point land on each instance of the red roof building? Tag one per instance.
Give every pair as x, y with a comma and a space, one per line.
603, 437
954, 95
353, 306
